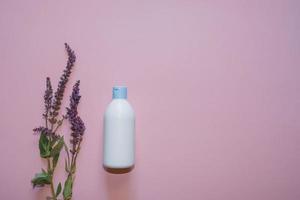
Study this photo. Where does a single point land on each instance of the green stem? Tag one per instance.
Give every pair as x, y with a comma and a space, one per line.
52, 191
46, 122
46, 119
51, 179
50, 170
68, 155
59, 123
51, 127
77, 152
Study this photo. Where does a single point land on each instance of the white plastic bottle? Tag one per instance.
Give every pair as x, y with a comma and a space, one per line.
119, 133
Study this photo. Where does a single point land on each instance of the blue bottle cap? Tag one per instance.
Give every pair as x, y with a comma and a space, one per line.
119, 92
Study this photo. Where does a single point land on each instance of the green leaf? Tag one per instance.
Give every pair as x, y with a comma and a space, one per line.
41, 179
57, 148
58, 190
44, 146
56, 151
67, 193
55, 160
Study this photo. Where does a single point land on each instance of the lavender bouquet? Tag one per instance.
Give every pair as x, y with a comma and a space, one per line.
51, 143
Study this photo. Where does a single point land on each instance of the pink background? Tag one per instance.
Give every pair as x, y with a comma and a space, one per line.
215, 86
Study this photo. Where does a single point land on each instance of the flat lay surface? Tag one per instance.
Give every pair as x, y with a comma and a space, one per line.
214, 84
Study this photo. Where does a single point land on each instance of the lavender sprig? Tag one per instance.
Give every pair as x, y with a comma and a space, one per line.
58, 96
77, 125
77, 128
48, 99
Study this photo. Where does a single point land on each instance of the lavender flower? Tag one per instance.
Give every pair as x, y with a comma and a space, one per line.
58, 96
78, 128
74, 101
77, 125
48, 98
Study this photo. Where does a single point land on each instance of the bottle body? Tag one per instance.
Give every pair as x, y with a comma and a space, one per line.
119, 135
